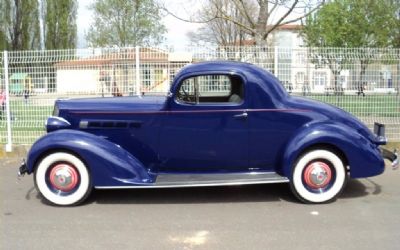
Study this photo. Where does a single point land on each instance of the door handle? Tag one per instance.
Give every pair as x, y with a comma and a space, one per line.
241, 116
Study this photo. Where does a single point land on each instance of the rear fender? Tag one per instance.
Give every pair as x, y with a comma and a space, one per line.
363, 157
108, 163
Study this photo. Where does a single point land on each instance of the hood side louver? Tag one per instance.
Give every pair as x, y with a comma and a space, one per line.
108, 124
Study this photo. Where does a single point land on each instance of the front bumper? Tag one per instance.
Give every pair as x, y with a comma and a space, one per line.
391, 156
22, 169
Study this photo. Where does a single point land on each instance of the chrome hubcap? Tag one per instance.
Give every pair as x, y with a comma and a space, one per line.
317, 175
64, 177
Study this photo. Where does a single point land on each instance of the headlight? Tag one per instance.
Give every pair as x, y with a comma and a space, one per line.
55, 123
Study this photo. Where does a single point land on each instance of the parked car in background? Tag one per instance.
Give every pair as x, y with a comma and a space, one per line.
222, 123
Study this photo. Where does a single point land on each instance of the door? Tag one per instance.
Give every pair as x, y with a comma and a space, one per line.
206, 129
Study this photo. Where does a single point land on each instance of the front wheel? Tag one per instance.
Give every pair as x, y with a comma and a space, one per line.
62, 179
318, 176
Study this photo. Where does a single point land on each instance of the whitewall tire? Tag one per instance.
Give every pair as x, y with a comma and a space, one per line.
62, 179
318, 176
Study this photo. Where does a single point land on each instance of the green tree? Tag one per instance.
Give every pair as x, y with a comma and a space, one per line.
20, 28
126, 23
352, 23
362, 24
396, 31
3, 41
60, 24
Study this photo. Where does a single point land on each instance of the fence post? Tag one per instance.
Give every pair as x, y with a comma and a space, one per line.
137, 57
276, 61
8, 113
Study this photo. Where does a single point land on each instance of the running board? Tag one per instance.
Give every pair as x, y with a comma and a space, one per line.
207, 180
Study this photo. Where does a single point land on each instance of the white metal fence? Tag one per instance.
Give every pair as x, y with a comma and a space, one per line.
363, 81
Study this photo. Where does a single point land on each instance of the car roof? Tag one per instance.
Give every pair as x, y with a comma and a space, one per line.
254, 73
220, 66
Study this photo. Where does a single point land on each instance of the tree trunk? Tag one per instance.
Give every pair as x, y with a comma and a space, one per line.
363, 64
261, 25
336, 82
16, 44
398, 75
258, 39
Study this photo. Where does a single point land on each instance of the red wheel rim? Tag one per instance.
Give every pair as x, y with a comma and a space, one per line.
317, 175
64, 177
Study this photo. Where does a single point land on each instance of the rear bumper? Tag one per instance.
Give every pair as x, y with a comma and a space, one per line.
379, 131
393, 157
380, 139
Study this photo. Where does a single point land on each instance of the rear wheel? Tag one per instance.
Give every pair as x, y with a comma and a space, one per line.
62, 179
318, 176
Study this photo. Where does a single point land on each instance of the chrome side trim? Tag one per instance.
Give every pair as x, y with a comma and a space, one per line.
191, 185
83, 124
172, 179
194, 180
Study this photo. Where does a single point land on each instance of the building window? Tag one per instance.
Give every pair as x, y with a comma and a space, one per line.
299, 41
146, 76
301, 58
300, 77
319, 79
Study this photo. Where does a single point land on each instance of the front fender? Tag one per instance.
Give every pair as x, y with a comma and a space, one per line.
108, 163
362, 155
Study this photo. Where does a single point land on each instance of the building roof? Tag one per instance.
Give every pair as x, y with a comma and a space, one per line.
126, 55
294, 27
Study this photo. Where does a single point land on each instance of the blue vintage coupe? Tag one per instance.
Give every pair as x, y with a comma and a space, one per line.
222, 123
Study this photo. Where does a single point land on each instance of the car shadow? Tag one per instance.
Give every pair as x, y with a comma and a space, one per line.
230, 194
200, 195
195, 195
355, 188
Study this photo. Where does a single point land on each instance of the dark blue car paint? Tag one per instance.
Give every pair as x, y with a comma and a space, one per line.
108, 163
362, 156
131, 139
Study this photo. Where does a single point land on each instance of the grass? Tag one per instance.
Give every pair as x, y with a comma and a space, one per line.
28, 118
27, 121
370, 105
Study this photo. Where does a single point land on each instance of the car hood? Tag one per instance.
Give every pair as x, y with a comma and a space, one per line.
110, 104
334, 114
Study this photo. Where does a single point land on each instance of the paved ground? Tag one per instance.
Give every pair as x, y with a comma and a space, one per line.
367, 216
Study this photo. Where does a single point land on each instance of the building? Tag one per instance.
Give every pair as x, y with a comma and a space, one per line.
113, 72
20, 83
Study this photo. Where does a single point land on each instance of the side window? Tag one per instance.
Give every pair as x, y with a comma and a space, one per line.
211, 89
187, 92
